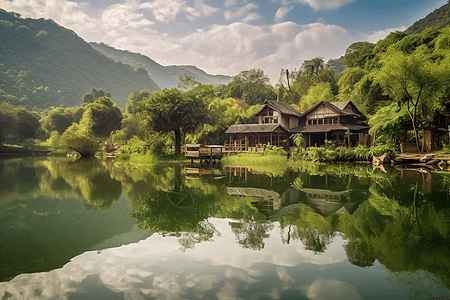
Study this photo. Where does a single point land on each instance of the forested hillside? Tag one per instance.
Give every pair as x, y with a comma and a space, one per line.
439, 18
43, 64
165, 77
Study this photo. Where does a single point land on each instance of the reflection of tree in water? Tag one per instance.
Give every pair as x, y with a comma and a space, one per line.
17, 177
204, 233
315, 240
89, 176
182, 210
359, 254
250, 233
406, 233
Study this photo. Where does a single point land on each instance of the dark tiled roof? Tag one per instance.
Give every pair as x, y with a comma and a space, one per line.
328, 128
282, 107
340, 105
253, 128
334, 106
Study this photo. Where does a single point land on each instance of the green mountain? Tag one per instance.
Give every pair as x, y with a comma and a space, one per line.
164, 76
43, 64
438, 19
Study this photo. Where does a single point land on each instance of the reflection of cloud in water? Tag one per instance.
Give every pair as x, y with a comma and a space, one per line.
155, 267
324, 289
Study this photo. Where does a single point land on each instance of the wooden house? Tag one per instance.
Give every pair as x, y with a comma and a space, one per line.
275, 119
330, 121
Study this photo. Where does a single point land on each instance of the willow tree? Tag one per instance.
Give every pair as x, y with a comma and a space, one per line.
413, 81
172, 111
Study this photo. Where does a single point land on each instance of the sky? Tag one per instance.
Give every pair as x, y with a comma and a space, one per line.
226, 37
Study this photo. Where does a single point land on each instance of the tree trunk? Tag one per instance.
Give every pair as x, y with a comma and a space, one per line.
177, 141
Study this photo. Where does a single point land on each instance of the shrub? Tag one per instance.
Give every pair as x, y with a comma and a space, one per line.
274, 150
344, 154
319, 154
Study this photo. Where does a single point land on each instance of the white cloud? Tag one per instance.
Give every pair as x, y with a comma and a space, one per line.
325, 4
282, 12
239, 12
251, 17
125, 17
165, 10
230, 3
381, 34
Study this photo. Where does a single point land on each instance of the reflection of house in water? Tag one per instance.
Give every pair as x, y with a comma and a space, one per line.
326, 202
268, 199
276, 195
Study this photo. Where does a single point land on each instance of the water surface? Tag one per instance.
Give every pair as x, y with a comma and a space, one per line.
103, 230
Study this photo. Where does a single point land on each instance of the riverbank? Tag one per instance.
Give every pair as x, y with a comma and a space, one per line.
19, 151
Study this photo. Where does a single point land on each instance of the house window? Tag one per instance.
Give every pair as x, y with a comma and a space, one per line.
309, 122
335, 120
314, 122
325, 121
269, 120
320, 122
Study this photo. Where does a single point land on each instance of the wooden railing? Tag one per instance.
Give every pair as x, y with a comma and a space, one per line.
240, 147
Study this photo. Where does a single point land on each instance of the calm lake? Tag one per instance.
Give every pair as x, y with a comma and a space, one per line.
107, 230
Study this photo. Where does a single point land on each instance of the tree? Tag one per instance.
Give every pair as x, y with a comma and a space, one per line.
413, 81
80, 139
171, 111
186, 83
252, 86
106, 116
317, 93
134, 98
94, 94
357, 54
27, 124
7, 121
388, 123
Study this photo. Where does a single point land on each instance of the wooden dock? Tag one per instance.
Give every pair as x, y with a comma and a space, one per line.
210, 153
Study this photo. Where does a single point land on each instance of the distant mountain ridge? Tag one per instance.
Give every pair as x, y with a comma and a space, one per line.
43, 64
438, 19
164, 76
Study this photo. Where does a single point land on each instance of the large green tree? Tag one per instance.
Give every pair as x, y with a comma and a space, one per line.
172, 111
253, 86
414, 81
106, 116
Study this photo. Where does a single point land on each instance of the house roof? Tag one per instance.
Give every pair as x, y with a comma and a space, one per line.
328, 128
254, 128
281, 107
337, 107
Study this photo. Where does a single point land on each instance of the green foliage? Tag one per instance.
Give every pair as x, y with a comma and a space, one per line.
171, 111
221, 114
59, 119
93, 95
103, 117
320, 92
80, 139
133, 100
274, 150
357, 54
414, 81
252, 86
